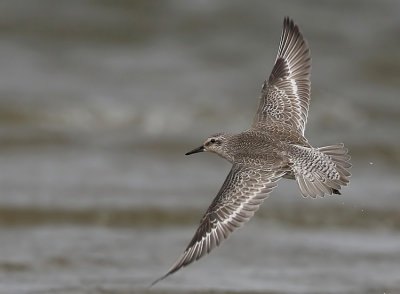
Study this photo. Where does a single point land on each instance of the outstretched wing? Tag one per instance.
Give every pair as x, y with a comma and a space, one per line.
239, 197
285, 97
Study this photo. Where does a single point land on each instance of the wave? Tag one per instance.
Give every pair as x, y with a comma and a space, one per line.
332, 216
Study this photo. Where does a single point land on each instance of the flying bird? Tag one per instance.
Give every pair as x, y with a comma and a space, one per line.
274, 147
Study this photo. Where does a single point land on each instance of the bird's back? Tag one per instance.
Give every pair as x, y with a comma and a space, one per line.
263, 147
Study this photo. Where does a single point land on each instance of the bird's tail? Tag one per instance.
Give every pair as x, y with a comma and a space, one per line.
320, 171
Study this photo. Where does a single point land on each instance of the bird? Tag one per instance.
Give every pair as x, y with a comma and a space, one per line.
274, 147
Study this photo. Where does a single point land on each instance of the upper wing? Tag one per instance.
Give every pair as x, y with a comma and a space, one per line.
239, 197
285, 96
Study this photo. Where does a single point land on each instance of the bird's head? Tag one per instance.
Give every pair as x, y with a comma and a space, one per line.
215, 143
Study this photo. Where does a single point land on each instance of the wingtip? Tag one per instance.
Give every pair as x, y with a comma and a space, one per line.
290, 25
287, 21
172, 270
158, 280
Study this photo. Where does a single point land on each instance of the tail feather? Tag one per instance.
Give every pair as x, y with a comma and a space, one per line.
321, 171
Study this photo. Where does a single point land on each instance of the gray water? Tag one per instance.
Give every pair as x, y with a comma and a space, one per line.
99, 100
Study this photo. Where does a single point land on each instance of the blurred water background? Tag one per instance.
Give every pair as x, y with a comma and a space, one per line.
99, 100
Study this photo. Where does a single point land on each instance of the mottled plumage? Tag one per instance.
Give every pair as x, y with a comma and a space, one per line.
274, 147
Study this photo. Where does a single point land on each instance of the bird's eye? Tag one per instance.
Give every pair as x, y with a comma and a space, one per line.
212, 141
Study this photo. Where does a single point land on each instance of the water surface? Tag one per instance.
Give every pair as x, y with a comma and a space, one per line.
100, 100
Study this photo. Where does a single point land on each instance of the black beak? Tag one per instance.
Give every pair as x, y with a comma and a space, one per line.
196, 150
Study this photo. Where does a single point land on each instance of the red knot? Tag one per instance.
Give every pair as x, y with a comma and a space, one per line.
274, 147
